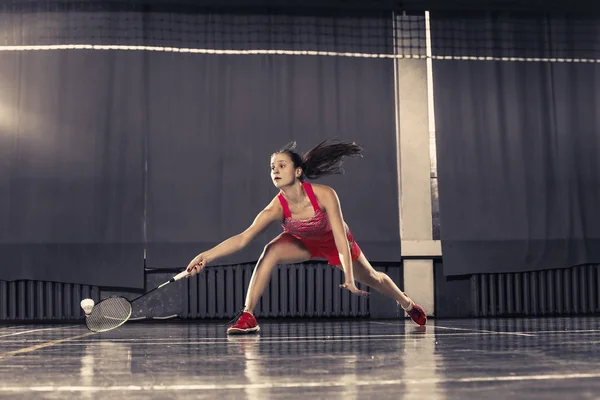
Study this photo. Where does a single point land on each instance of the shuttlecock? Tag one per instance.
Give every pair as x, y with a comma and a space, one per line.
87, 305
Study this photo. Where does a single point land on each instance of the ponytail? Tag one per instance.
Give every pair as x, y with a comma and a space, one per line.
326, 158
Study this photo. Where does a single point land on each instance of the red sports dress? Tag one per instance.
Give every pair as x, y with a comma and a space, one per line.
315, 233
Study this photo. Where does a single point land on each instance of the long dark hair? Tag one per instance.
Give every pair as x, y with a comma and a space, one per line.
326, 158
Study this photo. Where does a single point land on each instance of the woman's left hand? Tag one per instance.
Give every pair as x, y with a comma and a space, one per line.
352, 287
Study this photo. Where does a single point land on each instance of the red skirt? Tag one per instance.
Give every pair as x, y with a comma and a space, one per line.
327, 249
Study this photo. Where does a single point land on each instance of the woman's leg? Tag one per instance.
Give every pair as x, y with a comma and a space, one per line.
366, 274
284, 249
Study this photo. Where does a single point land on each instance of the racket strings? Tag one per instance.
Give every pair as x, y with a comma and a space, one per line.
109, 314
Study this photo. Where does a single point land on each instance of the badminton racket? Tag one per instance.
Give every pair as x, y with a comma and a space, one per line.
114, 311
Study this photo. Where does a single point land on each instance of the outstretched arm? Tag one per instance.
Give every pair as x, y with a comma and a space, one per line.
334, 212
269, 214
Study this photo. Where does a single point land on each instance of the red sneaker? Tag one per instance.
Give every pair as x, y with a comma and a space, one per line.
417, 314
246, 323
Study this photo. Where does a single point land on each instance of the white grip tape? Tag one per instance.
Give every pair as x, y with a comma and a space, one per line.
180, 275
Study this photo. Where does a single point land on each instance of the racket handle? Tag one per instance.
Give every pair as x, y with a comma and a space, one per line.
180, 275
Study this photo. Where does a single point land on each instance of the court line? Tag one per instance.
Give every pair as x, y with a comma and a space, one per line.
274, 338
37, 330
485, 331
581, 342
272, 342
573, 331
41, 346
467, 329
9, 327
530, 333
298, 384
315, 337
264, 340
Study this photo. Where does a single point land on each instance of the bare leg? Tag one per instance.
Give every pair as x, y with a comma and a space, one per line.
366, 274
284, 249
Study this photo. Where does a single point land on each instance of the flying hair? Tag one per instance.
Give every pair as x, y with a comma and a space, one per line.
326, 158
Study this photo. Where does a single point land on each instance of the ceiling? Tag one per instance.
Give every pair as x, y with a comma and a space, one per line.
572, 6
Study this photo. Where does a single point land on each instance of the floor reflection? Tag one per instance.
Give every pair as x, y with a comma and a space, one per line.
448, 359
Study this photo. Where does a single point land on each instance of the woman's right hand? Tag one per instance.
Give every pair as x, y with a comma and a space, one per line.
352, 288
197, 264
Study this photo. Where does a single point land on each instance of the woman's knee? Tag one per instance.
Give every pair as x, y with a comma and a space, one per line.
276, 248
269, 253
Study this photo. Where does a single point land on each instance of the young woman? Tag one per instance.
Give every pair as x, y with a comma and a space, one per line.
313, 227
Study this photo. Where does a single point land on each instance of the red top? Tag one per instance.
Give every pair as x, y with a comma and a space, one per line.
316, 228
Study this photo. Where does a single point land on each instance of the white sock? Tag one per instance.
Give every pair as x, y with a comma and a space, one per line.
410, 306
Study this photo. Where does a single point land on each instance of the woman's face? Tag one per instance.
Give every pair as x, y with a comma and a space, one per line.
283, 172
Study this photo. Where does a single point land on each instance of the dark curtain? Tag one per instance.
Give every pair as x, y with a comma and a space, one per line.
517, 144
71, 184
116, 158
211, 135
216, 119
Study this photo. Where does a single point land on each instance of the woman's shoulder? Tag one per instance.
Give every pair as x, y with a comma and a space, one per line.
274, 206
324, 194
324, 189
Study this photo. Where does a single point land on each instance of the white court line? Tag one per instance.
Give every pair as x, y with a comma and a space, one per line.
264, 339
582, 342
41, 346
298, 384
533, 333
465, 329
138, 342
9, 328
37, 330
485, 331
268, 342
572, 331
298, 338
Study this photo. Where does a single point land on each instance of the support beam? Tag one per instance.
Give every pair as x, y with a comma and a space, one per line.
414, 174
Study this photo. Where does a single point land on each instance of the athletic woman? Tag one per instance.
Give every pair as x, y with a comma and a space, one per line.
313, 227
